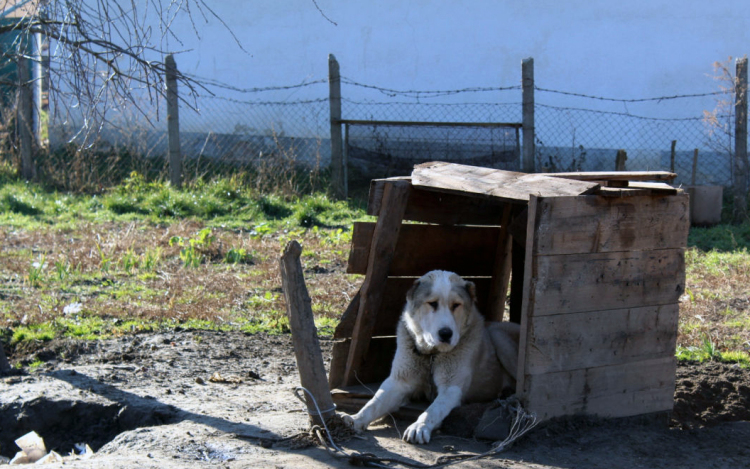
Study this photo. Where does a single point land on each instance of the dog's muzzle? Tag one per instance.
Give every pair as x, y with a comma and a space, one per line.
445, 335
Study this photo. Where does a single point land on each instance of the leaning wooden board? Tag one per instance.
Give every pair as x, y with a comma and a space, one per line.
495, 183
602, 282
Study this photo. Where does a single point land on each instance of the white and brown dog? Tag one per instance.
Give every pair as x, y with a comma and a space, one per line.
445, 352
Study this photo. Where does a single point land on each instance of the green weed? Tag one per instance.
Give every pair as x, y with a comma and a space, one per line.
35, 276
238, 256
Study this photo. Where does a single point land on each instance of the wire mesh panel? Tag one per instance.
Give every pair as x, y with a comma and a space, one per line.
381, 149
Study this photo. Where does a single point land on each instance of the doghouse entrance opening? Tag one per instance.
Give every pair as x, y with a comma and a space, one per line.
64, 423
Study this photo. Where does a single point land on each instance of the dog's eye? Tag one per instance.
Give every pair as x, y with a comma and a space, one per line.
454, 306
433, 304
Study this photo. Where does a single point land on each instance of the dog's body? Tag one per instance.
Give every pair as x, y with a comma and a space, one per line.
444, 352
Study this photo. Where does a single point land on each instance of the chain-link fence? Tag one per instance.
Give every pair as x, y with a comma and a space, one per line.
233, 129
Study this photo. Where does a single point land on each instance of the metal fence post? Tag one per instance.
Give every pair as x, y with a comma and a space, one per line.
173, 123
24, 119
740, 142
338, 172
527, 80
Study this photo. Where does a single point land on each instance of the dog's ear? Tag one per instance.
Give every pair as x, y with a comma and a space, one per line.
410, 293
471, 289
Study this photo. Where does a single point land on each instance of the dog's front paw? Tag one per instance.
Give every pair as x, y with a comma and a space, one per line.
417, 432
357, 424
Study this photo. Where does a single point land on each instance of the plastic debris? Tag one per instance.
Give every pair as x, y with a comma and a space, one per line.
218, 378
51, 457
32, 449
84, 450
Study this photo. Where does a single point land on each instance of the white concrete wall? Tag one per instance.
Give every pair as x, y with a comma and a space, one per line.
630, 49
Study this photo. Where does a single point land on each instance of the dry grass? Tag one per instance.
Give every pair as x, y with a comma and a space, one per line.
103, 267
716, 304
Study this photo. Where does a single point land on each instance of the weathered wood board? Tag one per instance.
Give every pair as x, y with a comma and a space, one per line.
590, 224
384, 238
466, 250
440, 207
495, 183
601, 281
564, 342
622, 390
616, 175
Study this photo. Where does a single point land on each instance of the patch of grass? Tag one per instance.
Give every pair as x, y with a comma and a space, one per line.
722, 238
36, 332
33, 366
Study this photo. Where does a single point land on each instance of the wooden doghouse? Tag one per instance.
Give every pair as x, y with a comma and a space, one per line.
597, 262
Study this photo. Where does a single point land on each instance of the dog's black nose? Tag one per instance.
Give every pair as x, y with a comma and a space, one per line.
445, 334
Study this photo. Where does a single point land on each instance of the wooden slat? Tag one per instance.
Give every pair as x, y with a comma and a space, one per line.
601, 281
565, 342
381, 253
439, 207
501, 270
505, 185
527, 296
616, 176
585, 224
656, 187
610, 391
340, 350
466, 250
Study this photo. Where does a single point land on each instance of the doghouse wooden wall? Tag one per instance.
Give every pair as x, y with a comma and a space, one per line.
600, 307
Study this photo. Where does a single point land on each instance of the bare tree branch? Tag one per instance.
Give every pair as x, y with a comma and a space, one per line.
105, 54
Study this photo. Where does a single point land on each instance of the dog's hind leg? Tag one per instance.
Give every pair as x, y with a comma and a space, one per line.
504, 337
393, 393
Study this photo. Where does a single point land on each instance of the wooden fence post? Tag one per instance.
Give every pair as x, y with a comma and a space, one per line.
620, 159
24, 119
173, 123
671, 156
338, 171
740, 142
527, 80
304, 335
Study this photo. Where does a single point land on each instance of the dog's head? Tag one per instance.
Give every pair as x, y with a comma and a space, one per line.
438, 307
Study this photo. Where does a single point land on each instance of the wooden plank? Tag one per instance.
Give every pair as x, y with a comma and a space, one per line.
381, 254
565, 342
616, 175
505, 185
601, 281
610, 391
439, 207
568, 225
421, 248
656, 187
527, 306
304, 336
395, 299
501, 270
622, 192
340, 350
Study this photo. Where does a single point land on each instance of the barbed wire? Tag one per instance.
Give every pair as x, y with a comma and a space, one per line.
265, 103
417, 94
221, 85
624, 114
634, 100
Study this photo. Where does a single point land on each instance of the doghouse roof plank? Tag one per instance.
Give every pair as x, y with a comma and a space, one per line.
617, 176
507, 185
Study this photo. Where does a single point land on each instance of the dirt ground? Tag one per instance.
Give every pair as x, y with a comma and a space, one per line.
148, 401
